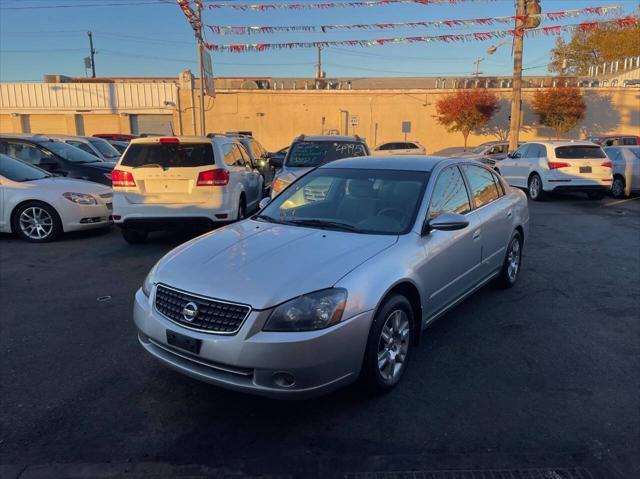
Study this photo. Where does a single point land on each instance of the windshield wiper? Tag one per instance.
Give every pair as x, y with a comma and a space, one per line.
322, 224
268, 219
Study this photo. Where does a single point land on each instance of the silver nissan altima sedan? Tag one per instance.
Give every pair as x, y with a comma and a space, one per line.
335, 279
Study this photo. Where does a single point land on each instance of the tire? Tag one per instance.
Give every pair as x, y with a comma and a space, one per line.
134, 236
617, 188
394, 317
242, 209
36, 222
512, 262
596, 195
536, 192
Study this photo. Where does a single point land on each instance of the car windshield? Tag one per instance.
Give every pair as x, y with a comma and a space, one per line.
316, 153
105, 148
355, 200
579, 152
17, 170
479, 149
68, 152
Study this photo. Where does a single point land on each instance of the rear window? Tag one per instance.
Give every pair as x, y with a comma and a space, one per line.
316, 153
581, 152
178, 155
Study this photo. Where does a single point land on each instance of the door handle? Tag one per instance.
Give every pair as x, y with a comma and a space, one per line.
476, 235
509, 213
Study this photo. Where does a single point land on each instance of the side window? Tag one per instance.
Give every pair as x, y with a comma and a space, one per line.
22, 151
483, 187
533, 151
229, 152
499, 184
630, 141
450, 194
82, 146
521, 152
245, 159
411, 146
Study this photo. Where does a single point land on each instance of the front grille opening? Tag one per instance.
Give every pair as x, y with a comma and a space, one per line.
213, 315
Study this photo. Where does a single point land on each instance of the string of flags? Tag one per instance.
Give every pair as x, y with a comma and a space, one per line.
551, 16
459, 37
260, 7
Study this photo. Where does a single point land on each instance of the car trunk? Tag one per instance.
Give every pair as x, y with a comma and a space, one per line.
580, 162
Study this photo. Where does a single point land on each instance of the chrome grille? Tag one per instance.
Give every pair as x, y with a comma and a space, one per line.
214, 316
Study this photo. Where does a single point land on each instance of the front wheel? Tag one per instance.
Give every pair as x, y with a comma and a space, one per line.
512, 262
389, 345
36, 222
536, 192
617, 188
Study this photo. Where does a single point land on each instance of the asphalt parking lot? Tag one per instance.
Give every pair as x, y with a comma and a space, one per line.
541, 379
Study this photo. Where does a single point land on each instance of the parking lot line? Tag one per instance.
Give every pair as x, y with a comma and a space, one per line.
621, 201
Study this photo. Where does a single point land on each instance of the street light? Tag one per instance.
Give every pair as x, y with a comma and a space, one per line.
492, 49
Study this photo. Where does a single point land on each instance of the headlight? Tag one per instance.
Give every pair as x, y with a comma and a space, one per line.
81, 198
149, 281
312, 311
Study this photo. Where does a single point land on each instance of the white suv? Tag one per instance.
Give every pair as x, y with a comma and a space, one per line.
160, 181
545, 166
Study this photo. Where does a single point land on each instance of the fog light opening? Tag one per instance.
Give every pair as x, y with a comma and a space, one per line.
283, 380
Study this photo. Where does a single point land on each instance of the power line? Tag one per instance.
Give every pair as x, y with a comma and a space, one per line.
128, 4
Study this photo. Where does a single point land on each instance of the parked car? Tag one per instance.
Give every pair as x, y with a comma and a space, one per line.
277, 157
614, 140
38, 206
309, 152
626, 169
119, 145
399, 148
57, 157
116, 136
101, 149
162, 181
297, 301
557, 166
260, 159
488, 153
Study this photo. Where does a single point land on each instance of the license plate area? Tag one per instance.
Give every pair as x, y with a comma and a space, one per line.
585, 169
183, 342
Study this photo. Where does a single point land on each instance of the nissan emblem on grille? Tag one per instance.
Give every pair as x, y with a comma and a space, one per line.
199, 313
190, 311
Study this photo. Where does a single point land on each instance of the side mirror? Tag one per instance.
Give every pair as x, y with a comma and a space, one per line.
445, 222
276, 161
263, 203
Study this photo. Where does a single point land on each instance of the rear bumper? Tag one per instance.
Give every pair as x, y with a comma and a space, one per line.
578, 184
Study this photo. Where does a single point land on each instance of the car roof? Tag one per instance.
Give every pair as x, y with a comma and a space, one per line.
562, 142
393, 162
329, 138
183, 139
613, 135
34, 137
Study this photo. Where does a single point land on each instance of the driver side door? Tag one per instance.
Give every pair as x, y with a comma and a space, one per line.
453, 258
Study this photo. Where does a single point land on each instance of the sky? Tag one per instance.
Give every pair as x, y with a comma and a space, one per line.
153, 38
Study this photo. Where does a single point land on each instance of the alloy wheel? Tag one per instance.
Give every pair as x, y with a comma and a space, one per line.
513, 260
617, 189
534, 187
36, 223
393, 345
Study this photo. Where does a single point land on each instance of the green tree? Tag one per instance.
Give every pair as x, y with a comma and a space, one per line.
466, 110
593, 47
560, 108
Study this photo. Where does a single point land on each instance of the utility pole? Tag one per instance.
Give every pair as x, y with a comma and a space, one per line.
477, 73
92, 51
516, 95
319, 64
203, 129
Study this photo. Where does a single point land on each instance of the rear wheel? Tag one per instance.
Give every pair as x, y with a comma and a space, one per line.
512, 261
389, 345
36, 222
536, 193
617, 188
134, 235
596, 195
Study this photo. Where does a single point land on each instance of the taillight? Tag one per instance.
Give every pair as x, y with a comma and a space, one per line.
554, 165
217, 177
169, 141
607, 164
122, 178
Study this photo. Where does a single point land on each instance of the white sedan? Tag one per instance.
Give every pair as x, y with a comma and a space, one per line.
399, 148
38, 207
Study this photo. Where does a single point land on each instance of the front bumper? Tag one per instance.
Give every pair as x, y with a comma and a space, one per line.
319, 361
77, 217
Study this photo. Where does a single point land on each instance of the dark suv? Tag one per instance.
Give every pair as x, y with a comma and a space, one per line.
57, 157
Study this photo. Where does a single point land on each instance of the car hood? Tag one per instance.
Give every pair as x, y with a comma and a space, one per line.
265, 264
71, 185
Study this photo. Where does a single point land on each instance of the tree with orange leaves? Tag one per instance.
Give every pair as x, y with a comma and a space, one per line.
560, 108
466, 110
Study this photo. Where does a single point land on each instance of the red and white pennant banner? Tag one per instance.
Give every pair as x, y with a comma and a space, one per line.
551, 16
461, 37
261, 7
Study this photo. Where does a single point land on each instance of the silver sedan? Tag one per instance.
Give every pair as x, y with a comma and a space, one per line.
335, 280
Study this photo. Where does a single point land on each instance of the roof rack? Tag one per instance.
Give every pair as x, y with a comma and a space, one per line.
300, 138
